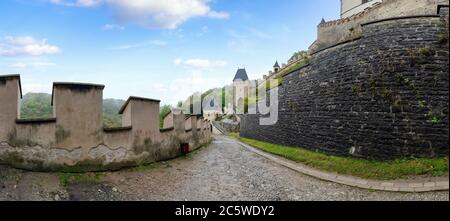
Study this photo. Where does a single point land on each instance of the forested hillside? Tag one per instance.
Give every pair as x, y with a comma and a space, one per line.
38, 105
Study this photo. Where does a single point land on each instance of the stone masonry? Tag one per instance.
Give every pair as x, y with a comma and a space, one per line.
75, 139
382, 96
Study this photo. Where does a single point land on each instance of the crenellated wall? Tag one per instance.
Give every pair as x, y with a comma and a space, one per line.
75, 140
341, 30
382, 96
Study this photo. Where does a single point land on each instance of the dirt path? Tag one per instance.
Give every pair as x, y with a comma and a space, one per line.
222, 171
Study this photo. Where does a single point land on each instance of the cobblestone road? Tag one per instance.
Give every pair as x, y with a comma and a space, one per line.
223, 171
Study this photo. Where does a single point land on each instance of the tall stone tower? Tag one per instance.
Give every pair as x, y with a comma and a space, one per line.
241, 86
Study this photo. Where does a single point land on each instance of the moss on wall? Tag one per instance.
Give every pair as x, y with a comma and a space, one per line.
61, 134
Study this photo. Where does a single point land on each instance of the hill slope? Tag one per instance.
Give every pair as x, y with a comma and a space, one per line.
38, 105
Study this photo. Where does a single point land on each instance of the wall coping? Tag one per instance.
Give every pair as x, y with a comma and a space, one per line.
399, 18
167, 114
122, 109
167, 129
117, 129
335, 45
75, 85
36, 121
14, 76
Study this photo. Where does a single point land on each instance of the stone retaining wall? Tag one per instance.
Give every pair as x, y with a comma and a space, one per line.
382, 96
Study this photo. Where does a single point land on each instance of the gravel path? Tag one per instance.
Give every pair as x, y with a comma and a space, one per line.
223, 171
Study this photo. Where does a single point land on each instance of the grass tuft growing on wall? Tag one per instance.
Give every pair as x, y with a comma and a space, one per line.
367, 169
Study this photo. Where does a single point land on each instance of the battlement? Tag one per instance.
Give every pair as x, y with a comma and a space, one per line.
75, 139
345, 29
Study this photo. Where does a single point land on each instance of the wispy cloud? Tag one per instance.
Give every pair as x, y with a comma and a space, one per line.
244, 39
77, 3
34, 65
202, 31
28, 46
218, 15
112, 27
259, 34
141, 44
197, 63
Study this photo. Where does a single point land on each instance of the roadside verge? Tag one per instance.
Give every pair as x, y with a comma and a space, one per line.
436, 184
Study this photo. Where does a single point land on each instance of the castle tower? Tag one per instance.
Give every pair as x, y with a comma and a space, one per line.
351, 7
240, 91
276, 67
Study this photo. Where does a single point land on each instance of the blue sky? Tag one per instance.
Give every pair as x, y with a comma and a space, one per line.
152, 48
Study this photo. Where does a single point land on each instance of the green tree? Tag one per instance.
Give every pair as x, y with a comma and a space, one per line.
164, 110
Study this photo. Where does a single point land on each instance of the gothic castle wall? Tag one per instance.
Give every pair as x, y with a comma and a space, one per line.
333, 32
75, 139
381, 96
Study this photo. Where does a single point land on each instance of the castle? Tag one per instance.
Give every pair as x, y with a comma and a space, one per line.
354, 13
241, 90
375, 85
74, 139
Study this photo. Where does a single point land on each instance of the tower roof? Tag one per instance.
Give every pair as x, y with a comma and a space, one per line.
276, 65
241, 74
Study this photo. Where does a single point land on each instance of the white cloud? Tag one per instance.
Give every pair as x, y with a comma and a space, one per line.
141, 44
15, 46
218, 15
166, 14
77, 3
34, 65
111, 27
197, 63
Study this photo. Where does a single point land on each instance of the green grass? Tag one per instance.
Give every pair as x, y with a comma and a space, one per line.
66, 178
294, 67
146, 167
367, 169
